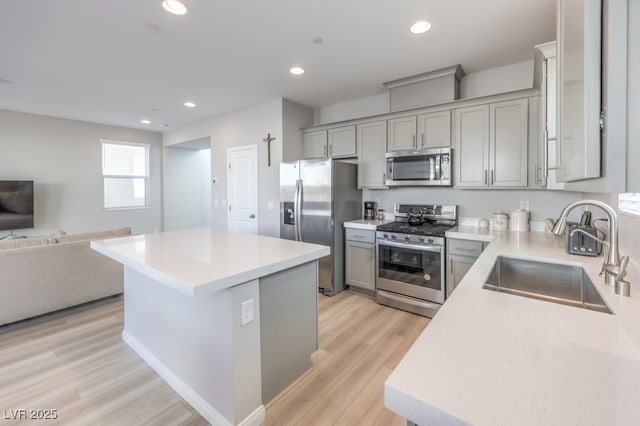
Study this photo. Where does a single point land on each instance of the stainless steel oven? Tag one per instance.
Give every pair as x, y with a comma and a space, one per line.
410, 272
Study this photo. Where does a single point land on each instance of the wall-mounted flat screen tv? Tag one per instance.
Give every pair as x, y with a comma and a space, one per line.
16, 204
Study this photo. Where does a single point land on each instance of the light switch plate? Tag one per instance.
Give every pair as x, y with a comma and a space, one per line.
246, 312
524, 205
271, 205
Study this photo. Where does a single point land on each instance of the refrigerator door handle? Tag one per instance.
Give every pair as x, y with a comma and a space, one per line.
298, 210
296, 203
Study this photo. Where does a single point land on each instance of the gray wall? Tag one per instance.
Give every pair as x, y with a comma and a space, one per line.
64, 159
187, 188
477, 203
246, 127
489, 82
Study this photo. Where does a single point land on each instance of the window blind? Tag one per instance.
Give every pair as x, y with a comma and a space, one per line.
629, 202
125, 171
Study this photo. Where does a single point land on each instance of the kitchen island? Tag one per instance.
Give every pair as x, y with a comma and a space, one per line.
226, 319
491, 358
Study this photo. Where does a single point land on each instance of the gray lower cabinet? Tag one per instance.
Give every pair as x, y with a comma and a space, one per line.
361, 259
461, 255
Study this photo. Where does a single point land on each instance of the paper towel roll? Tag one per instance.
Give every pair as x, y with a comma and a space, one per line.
519, 220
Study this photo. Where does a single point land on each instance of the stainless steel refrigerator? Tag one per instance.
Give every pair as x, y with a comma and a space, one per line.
316, 198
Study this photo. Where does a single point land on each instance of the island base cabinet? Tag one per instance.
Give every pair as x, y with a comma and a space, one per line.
198, 344
289, 326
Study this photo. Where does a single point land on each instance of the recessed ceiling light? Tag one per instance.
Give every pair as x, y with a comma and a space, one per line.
174, 6
296, 71
420, 27
189, 104
145, 121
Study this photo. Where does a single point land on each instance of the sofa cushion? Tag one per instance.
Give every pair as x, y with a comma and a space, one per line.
98, 235
14, 243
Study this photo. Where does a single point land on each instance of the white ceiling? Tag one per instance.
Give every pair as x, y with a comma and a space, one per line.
119, 61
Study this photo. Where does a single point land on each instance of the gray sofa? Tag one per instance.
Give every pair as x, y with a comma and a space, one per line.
41, 275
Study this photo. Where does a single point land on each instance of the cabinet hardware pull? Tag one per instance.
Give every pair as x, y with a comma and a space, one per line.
492, 177
325, 150
414, 141
485, 177
384, 178
451, 264
330, 149
422, 140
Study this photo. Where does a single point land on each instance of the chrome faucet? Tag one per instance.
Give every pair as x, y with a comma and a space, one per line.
612, 266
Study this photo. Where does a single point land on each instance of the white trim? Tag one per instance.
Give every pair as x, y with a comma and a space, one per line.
110, 141
183, 389
254, 419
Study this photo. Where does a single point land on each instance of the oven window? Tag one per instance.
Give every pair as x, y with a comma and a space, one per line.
406, 265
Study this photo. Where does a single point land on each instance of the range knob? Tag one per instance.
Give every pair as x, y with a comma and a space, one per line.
407, 238
385, 235
421, 239
430, 240
394, 236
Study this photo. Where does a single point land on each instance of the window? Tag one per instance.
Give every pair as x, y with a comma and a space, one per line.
629, 203
125, 171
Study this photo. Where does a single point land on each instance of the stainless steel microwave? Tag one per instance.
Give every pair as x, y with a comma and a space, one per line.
422, 167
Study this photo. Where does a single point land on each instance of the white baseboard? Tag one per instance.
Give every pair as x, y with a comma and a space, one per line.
185, 391
254, 419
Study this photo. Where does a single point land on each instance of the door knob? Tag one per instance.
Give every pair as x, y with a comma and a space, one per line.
252, 216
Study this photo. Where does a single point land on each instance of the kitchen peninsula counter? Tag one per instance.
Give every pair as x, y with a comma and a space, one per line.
490, 358
226, 319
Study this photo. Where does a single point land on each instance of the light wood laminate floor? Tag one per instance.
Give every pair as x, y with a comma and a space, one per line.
78, 365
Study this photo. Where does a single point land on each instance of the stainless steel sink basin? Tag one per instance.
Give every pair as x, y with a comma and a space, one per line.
551, 282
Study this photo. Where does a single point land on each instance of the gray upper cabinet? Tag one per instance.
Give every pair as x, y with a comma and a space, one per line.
342, 141
434, 129
471, 151
315, 144
579, 89
372, 146
401, 133
491, 145
508, 134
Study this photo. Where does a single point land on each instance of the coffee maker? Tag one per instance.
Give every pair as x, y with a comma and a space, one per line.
369, 210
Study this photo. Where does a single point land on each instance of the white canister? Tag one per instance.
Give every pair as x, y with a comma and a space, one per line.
519, 220
500, 221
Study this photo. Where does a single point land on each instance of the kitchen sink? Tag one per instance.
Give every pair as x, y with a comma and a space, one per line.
551, 282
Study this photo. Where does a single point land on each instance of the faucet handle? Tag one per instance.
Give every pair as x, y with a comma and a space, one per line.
622, 272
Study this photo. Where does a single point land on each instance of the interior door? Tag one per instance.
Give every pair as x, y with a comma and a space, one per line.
242, 189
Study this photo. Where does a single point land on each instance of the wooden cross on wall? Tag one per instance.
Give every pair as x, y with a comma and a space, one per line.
268, 140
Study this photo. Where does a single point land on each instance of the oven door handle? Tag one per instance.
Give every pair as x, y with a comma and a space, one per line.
435, 249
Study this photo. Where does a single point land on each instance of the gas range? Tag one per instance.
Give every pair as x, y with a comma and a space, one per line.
437, 219
410, 258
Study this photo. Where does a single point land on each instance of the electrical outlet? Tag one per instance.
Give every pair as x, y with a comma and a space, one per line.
271, 205
246, 312
524, 205
224, 203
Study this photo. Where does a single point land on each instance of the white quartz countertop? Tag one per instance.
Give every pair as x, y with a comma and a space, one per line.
490, 358
370, 225
203, 260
